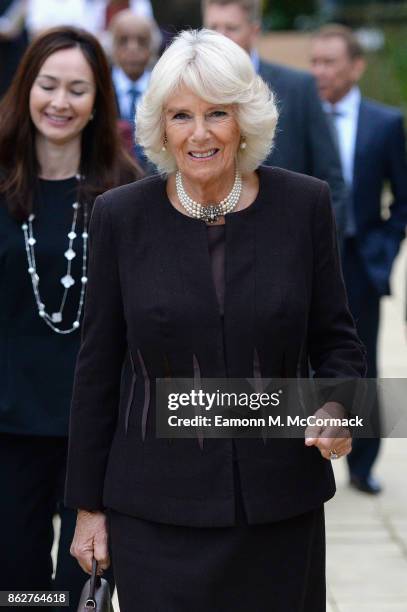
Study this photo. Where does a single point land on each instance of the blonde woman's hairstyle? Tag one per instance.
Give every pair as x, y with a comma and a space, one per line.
218, 71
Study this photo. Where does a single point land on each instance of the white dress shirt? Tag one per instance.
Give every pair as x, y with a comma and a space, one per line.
255, 57
88, 14
123, 85
345, 114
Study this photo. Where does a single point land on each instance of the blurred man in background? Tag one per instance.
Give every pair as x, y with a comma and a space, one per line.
303, 141
371, 143
134, 43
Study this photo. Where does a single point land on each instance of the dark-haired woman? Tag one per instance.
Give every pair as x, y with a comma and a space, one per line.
59, 148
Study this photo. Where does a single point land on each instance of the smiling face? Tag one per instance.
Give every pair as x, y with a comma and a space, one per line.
62, 96
131, 44
203, 137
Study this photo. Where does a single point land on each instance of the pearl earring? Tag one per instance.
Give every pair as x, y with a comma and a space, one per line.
243, 144
164, 148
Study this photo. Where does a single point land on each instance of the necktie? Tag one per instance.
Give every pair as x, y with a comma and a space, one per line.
133, 96
350, 224
332, 116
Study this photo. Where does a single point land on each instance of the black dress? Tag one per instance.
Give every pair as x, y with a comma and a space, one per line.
36, 364
36, 376
275, 567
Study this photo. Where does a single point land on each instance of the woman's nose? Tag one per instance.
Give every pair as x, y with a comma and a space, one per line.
59, 99
200, 131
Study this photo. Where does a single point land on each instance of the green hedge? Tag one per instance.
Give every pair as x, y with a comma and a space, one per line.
281, 14
386, 75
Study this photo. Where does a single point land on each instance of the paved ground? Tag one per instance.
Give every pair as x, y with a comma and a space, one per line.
367, 537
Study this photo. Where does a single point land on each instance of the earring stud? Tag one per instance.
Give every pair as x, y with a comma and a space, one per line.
243, 144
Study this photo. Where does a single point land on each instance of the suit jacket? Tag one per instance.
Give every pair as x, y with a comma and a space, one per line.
304, 141
126, 131
152, 311
380, 156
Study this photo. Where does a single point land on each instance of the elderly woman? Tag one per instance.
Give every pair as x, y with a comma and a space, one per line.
218, 267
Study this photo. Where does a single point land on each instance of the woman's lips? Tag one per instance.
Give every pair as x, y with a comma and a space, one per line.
57, 120
201, 156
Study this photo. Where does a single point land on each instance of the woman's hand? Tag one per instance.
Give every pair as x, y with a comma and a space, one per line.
330, 439
90, 540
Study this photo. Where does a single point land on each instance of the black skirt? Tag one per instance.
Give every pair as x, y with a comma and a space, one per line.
275, 567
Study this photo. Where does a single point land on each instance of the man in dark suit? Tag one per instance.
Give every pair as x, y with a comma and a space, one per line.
133, 46
303, 141
371, 143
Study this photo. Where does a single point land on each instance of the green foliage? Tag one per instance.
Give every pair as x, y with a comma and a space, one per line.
386, 75
281, 15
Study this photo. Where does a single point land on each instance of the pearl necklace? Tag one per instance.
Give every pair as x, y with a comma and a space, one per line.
67, 281
211, 212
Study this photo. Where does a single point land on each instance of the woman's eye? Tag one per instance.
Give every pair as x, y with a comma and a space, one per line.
218, 113
77, 93
46, 88
180, 116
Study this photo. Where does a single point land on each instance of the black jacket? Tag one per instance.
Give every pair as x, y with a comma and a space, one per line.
380, 157
303, 141
151, 300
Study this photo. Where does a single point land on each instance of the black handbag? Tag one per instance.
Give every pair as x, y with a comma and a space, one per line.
95, 594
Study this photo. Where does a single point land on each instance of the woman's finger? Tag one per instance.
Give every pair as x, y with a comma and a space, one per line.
340, 446
83, 557
101, 551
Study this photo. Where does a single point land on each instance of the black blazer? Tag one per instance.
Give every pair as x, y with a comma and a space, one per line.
303, 140
380, 156
151, 301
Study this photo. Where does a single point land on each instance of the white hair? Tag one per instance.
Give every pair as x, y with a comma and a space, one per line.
219, 72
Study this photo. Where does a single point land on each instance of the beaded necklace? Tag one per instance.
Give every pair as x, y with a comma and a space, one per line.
209, 213
67, 280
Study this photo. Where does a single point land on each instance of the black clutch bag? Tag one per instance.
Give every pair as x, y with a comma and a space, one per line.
95, 594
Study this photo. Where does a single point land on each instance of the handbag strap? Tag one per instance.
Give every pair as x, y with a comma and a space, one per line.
94, 582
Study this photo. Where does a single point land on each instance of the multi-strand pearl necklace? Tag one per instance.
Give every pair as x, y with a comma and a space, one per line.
211, 212
67, 280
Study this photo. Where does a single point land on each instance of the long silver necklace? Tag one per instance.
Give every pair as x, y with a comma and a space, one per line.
67, 280
211, 212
